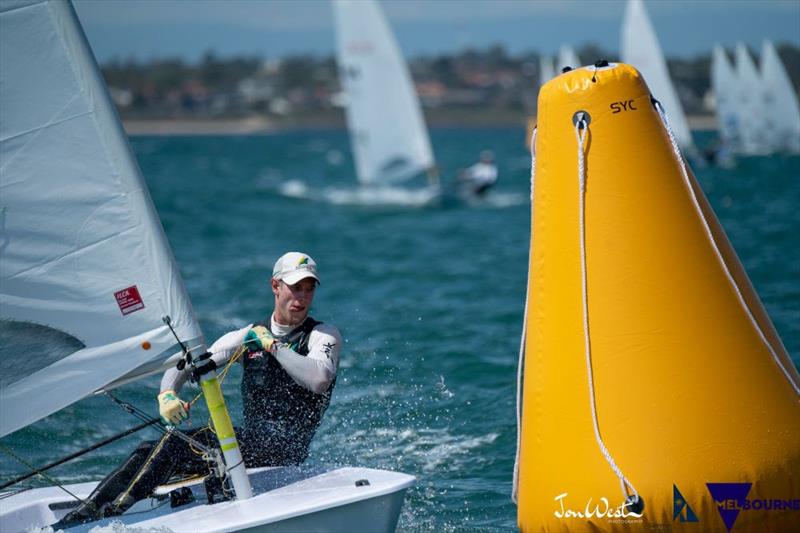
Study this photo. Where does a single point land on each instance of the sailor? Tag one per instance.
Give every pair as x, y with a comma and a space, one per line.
482, 175
289, 365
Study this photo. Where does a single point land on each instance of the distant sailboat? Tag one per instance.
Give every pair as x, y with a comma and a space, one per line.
781, 105
567, 58
641, 49
750, 100
387, 130
724, 86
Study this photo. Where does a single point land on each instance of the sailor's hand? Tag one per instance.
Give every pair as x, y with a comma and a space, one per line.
259, 338
172, 409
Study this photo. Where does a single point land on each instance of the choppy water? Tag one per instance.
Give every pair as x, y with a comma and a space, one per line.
429, 300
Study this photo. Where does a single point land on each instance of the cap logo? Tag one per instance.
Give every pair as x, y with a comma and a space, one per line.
303, 261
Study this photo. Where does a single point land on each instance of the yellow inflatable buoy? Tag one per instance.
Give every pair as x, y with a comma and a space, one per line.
657, 395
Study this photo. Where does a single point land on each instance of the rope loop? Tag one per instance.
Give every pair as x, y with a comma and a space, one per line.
629, 492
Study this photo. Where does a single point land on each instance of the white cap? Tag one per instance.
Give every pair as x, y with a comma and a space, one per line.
291, 267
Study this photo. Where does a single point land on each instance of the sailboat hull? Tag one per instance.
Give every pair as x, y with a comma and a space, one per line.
376, 514
286, 499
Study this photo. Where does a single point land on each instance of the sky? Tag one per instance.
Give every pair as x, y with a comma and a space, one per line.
147, 29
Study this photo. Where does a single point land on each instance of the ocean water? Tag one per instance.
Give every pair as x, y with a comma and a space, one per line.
429, 300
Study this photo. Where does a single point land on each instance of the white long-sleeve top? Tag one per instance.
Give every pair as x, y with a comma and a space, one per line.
314, 371
482, 173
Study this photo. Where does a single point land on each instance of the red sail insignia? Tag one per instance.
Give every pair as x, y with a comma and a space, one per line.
129, 300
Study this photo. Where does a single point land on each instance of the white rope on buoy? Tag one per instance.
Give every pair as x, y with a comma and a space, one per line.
676, 150
581, 129
521, 360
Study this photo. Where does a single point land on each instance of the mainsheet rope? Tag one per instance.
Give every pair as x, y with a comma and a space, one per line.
41, 473
676, 150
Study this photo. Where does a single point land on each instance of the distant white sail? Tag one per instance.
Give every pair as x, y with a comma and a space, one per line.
641, 49
754, 138
782, 108
567, 58
725, 87
546, 69
86, 272
387, 130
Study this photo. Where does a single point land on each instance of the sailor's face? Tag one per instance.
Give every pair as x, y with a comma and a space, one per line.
292, 302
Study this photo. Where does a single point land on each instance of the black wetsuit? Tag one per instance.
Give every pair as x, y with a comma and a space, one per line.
280, 416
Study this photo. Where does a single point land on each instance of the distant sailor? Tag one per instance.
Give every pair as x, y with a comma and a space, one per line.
289, 365
482, 175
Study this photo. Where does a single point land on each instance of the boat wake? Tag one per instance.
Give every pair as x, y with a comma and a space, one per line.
496, 200
388, 196
384, 196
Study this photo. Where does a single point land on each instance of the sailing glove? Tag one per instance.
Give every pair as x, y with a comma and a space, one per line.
259, 339
171, 408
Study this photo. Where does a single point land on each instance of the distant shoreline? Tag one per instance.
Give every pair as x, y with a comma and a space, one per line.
260, 125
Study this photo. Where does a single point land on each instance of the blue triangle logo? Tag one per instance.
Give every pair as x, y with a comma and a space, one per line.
680, 507
729, 499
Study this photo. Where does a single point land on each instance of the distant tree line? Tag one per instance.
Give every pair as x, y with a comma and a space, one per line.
480, 79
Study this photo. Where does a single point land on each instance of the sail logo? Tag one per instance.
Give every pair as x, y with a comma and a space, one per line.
129, 300
681, 508
731, 499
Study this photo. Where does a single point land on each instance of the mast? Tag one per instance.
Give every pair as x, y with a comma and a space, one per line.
206, 374
223, 427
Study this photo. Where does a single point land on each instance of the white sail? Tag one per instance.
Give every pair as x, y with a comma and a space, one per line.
641, 49
387, 130
86, 272
754, 138
782, 109
567, 58
724, 86
546, 69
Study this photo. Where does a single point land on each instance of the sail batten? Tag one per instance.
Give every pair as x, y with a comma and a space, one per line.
84, 261
383, 113
45, 126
